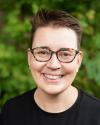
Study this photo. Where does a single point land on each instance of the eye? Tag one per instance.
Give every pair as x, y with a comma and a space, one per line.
43, 52
65, 53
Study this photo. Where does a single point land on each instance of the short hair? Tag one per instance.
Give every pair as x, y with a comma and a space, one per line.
55, 18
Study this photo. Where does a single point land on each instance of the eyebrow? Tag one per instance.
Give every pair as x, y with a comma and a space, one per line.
43, 47
67, 49
63, 49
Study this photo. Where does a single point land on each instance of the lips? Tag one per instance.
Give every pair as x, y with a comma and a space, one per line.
53, 76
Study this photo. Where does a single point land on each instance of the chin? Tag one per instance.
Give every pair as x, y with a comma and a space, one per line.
54, 90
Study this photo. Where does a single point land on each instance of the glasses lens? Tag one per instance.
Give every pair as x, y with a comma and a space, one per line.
66, 55
41, 54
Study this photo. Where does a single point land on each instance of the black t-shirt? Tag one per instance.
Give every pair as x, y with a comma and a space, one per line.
23, 110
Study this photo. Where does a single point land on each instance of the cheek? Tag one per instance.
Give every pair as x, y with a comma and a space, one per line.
70, 68
36, 66
35, 71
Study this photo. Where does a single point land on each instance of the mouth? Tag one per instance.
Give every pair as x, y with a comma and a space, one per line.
53, 77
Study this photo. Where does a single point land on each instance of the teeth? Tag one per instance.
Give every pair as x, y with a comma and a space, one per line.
52, 76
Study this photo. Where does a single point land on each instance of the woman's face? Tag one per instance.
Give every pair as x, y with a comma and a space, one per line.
53, 76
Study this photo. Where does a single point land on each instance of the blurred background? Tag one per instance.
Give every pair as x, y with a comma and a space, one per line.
15, 17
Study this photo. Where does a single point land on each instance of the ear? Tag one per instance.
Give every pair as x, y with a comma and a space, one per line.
79, 59
29, 56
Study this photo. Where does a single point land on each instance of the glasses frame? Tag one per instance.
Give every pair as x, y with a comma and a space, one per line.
53, 52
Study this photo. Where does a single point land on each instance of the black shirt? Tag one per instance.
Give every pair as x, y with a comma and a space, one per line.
23, 110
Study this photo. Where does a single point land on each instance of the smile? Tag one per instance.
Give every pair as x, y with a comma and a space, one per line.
52, 77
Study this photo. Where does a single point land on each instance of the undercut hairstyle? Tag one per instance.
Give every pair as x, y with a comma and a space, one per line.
55, 19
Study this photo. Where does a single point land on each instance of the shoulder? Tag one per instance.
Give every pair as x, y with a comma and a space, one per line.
20, 102
90, 99
90, 104
18, 109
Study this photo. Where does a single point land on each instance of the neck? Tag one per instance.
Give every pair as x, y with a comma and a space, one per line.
56, 103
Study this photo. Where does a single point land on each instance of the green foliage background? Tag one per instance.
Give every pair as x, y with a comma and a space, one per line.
15, 17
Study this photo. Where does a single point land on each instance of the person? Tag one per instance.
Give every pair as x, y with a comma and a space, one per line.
54, 58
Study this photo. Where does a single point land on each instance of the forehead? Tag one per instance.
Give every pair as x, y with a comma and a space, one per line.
55, 38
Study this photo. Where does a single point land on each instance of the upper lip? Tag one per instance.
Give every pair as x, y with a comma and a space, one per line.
53, 74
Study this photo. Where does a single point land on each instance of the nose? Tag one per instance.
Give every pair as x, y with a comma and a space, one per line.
54, 63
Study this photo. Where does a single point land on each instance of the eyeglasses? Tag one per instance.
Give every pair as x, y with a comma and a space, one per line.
44, 54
